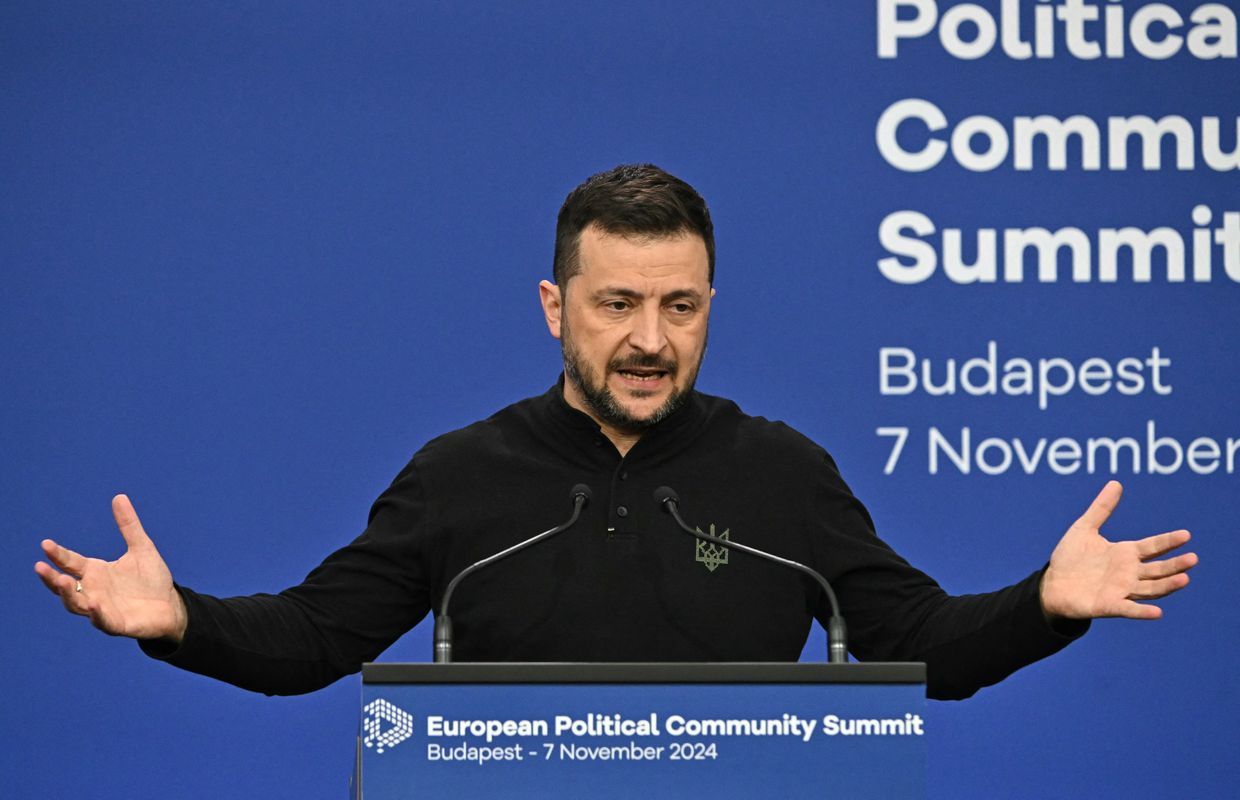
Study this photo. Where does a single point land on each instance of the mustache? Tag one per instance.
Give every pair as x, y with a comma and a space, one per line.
643, 361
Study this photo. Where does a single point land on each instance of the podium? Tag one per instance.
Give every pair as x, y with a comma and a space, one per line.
723, 730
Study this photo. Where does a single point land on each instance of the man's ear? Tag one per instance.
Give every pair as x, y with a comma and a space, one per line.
552, 304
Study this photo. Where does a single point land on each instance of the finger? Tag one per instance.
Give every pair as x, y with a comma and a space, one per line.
1167, 567
1100, 510
1131, 610
1152, 590
63, 557
1154, 546
63, 586
53, 579
128, 522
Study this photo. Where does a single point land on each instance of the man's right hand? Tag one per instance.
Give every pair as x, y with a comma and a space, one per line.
131, 596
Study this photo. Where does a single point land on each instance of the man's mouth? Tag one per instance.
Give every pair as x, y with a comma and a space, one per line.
642, 375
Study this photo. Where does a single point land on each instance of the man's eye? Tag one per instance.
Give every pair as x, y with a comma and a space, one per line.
681, 308
616, 305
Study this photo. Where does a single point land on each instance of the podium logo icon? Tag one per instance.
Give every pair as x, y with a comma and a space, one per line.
384, 725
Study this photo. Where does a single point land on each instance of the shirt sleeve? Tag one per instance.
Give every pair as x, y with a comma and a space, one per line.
347, 611
895, 612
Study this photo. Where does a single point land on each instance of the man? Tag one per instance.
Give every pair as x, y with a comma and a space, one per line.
634, 268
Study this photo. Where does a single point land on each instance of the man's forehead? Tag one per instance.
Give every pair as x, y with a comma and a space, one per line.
680, 254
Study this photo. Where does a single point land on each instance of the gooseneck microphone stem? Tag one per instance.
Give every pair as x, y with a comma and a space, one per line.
837, 636
443, 624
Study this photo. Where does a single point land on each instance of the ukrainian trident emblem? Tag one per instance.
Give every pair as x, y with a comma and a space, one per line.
710, 554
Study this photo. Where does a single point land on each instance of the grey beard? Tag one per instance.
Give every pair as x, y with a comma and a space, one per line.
603, 404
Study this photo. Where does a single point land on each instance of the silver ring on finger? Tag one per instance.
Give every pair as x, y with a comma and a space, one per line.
77, 587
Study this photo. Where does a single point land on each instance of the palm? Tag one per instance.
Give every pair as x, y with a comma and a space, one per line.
1091, 577
132, 596
132, 592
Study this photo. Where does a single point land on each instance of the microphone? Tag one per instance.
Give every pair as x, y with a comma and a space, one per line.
837, 647
580, 495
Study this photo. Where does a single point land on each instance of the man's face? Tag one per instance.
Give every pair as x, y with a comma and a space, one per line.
632, 326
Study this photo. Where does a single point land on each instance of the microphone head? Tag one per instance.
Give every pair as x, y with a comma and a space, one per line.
665, 494
582, 491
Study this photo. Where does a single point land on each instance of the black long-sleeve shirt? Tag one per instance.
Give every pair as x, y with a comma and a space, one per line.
624, 584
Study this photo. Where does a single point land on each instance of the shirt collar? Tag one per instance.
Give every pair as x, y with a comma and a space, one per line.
679, 419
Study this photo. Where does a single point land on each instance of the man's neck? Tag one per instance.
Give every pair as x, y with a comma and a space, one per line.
623, 440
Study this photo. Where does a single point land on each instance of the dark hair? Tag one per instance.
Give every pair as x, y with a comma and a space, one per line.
637, 199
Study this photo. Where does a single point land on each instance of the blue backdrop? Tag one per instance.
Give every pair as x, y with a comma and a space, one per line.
255, 254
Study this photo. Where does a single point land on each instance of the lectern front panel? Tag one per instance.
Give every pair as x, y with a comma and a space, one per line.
634, 738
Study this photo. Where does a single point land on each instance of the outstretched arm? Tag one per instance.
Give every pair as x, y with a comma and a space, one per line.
132, 596
1091, 577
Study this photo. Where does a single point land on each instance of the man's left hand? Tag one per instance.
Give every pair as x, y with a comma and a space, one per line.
1091, 577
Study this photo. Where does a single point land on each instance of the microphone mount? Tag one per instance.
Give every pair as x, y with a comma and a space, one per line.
837, 647
443, 623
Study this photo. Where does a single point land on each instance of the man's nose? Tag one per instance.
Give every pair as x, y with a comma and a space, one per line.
648, 333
